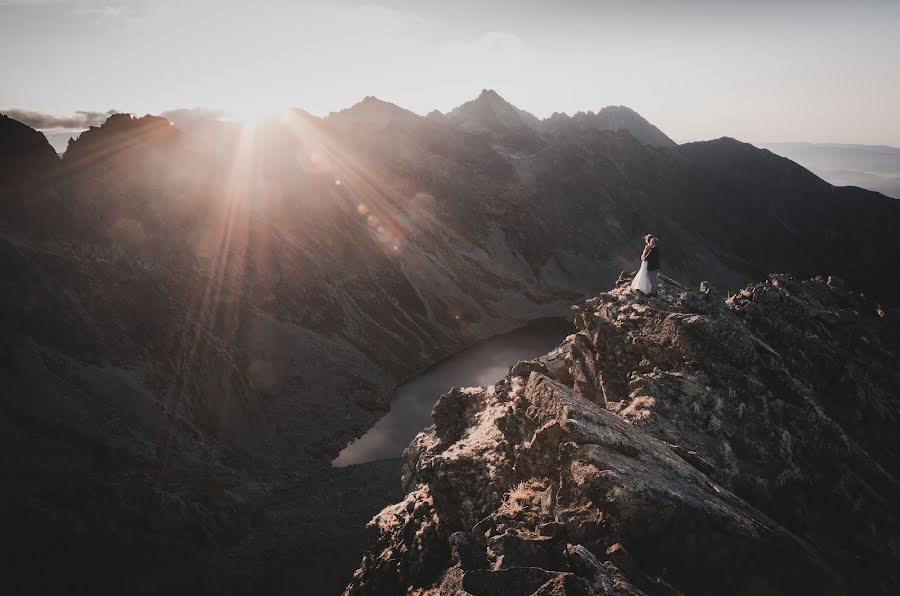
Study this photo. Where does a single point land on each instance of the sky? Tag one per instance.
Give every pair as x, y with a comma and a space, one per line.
760, 71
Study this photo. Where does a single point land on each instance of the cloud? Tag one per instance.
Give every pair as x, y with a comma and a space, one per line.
113, 14
378, 15
80, 120
182, 117
501, 45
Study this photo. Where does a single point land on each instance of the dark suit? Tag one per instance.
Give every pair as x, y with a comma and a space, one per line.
653, 269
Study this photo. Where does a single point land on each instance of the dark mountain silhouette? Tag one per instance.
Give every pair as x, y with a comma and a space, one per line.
873, 167
22, 147
494, 118
610, 118
491, 113
28, 168
197, 322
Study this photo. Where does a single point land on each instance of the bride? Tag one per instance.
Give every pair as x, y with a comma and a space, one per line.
641, 281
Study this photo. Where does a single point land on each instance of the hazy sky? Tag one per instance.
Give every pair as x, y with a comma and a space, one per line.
762, 70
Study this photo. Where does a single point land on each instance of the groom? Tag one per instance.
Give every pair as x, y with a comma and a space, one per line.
653, 265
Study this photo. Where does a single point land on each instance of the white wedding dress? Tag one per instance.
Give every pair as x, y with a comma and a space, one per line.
641, 281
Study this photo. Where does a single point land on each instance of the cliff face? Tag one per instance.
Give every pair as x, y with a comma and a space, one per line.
682, 444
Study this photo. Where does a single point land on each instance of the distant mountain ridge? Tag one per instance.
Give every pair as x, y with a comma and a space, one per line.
490, 113
612, 118
874, 167
487, 113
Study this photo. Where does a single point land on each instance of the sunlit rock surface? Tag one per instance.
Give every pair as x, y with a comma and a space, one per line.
681, 444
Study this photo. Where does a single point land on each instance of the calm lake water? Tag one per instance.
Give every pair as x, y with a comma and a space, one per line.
482, 364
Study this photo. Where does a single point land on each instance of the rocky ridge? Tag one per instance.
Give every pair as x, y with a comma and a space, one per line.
610, 118
491, 113
681, 444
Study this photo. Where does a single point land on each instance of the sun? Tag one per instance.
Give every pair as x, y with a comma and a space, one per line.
255, 112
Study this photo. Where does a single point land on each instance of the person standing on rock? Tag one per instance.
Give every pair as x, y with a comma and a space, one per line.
652, 260
646, 279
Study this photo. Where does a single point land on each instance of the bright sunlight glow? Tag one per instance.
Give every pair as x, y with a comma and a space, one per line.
254, 112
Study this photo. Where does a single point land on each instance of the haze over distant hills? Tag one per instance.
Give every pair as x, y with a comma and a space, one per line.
199, 316
874, 167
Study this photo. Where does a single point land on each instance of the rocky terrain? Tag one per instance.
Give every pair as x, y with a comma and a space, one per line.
191, 316
683, 444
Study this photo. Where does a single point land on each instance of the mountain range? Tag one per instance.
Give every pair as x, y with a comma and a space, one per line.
194, 316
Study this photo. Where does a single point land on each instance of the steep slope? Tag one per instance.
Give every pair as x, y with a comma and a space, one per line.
873, 167
27, 166
22, 148
677, 445
491, 113
491, 116
789, 218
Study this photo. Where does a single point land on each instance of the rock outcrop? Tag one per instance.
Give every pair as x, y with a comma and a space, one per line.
680, 444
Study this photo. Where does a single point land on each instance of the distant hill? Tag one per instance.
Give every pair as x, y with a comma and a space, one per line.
489, 113
873, 167
611, 118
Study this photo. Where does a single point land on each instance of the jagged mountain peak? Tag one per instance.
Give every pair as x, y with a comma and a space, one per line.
27, 164
619, 109
371, 100
489, 112
19, 142
610, 118
370, 103
721, 141
371, 113
490, 94
119, 133
129, 121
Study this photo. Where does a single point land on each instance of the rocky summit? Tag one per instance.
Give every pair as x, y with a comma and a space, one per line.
683, 444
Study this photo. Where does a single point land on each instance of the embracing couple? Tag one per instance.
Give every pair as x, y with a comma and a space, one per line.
647, 279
